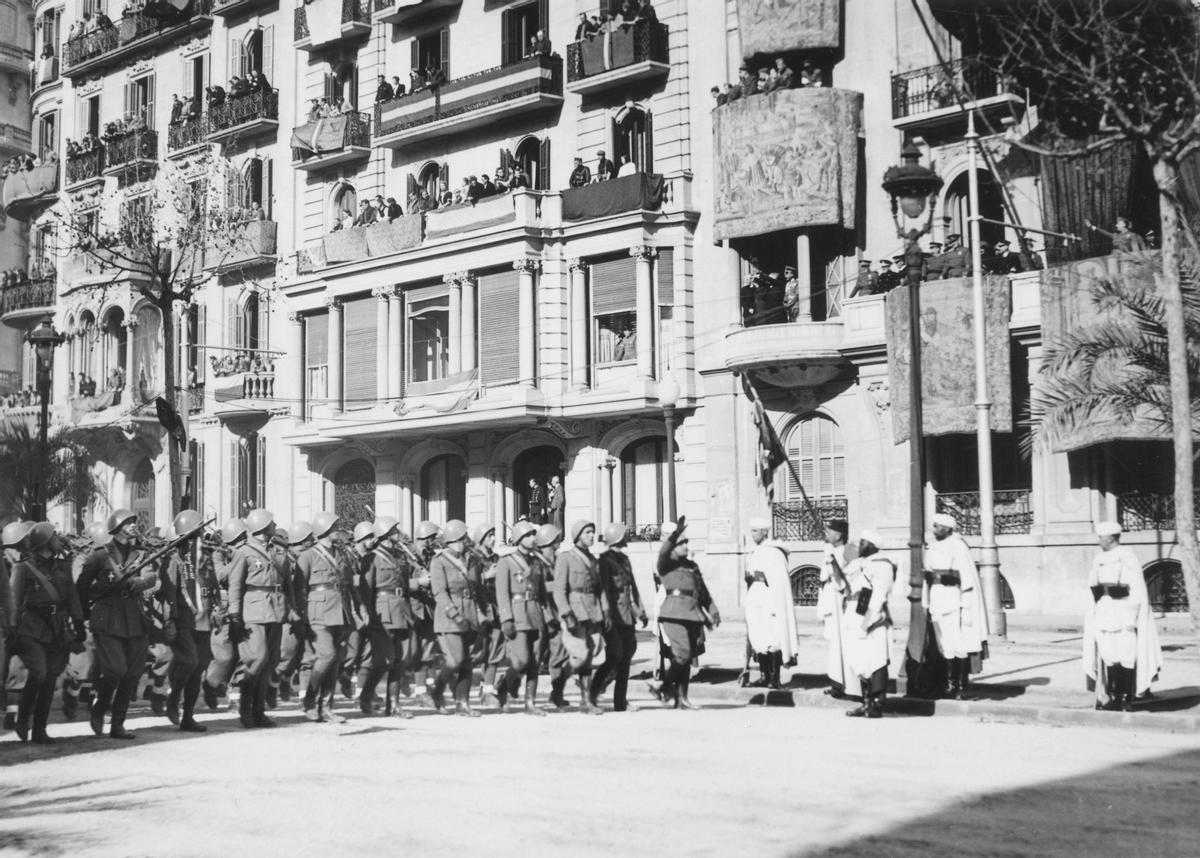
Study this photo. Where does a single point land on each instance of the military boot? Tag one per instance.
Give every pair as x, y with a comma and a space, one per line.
557, 684
25, 706
393, 704
246, 704
681, 701
100, 705
861, 711
41, 716
173, 706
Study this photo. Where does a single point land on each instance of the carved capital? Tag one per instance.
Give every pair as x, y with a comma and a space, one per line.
466, 278
527, 265
294, 317
130, 323
333, 303
577, 265
643, 252
382, 292
451, 279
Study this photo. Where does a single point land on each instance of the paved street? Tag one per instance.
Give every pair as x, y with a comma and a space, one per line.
723, 781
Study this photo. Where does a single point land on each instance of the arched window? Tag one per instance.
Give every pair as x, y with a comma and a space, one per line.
113, 352
429, 177
642, 481
146, 375
818, 456
343, 201
634, 139
444, 489
806, 585
991, 205
141, 494
1164, 581
354, 491
534, 157
85, 362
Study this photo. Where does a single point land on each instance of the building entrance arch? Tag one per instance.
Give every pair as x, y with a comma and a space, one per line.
537, 464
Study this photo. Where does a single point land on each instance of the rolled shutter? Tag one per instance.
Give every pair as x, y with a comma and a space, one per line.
444, 175
665, 275
544, 15
543, 172
412, 187
614, 286
647, 165
268, 55
416, 55
316, 355
499, 334
446, 52
507, 38
359, 327
189, 82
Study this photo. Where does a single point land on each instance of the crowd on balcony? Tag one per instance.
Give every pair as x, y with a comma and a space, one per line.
89, 24
768, 79
127, 125
631, 12
186, 109
239, 87
324, 108
20, 398
240, 362
86, 146
582, 175
770, 297
14, 277
27, 161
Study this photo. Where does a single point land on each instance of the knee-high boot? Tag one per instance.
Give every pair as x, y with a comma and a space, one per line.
861, 711
41, 712
557, 684
685, 680
105, 691
25, 706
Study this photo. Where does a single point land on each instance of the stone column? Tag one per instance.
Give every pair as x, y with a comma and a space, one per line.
579, 325
395, 345
644, 254
406, 503
382, 332
527, 321
455, 284
293, 360
470, 338
605, 469
334, 363
130, 324
804, 279
498, 512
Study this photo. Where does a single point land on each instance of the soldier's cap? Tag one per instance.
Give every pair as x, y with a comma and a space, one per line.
864, 262
759, 523
1108, 528
945, 520
871, 536
600, 152
935, 244
838, 525
578, 527
577, 158
1002, 243
787, 268
887, 262
899, 258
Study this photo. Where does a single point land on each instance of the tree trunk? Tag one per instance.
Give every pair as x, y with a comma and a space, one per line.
1166, 177
166, 309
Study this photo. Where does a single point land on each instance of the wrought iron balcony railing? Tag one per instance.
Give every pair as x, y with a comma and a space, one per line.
140, 27
356, 133
35, 294
85, 166
933, 88
134, 146
185, 134
243, 110
644, 41
1012, 509
1148, 510
790, 520
353, 12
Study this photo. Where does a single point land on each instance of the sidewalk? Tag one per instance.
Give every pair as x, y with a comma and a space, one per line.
1034, 676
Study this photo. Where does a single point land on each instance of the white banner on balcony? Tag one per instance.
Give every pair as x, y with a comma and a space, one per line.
443, 395
324, 21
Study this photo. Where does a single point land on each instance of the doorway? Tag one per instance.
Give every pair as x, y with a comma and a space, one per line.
537, 464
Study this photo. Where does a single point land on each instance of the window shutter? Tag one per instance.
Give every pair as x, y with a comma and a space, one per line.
444, 174
504, 156
235, 467
268, 54
544, 15
506, 37
260, 469
188, 80
665, 274
416, 55
198, 477
235, 57
316, 354
129, 97
412, 187
359, 320
543, 173
647, 162
499, 334
150, 101
333, 89
614, 285
446, 52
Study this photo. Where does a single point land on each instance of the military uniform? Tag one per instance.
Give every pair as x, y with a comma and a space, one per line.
185, 593
866, 625
386, 588
43, 599
954, 262
682, 617
258, 598
223, 647
620, 640
120, 627
578, 594
456, 588
492, 649
324, 582
420, 603
522, 601
558, 662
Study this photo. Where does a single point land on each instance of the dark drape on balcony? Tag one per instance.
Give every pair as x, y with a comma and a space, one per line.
1096, 187
324, 135
629, 193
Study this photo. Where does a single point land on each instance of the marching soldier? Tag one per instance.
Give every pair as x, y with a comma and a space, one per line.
47, 620
324, 582
420, 602
386, 594
81, 664
456, 586
582, 610
13, 539
357, 659
557, 658
521, 604
258, 607
184, 593
624, 609
954, 598
224, 647
868, 623
295, 651
111, 585
491, 654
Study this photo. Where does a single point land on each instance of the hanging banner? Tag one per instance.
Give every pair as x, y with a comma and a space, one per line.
780, 26
948, 356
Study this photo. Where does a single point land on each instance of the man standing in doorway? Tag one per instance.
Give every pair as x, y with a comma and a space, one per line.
556, 502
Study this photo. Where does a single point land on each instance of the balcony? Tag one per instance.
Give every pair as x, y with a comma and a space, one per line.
85, 168
251, 244
27, 192
1013, 510
250, 115
926, 98
247, 400
134, 150
792, 522
619, 59
640, 192
14, 140
407, 11
789, 354
329, 142
15, 59
321, 23
43, 73
193, 399
1148, 510
133, 33
362, 242
27, 301
229, 8
488, 97
186, 136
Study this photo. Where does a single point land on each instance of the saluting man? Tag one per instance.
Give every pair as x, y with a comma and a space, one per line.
258, 607
624, 605
954, 598
455, 587
324, 583
522, 603
387, 598
583, 612
868, 623
112, 585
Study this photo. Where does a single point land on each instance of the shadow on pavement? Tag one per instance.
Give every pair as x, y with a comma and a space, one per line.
1170, 700
1135, 809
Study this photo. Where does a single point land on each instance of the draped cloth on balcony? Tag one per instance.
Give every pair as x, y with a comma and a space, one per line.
324, 135
488, 212
444, 395
948, 357
81, 405
600, 199
1095, 187
31, 184
324, 20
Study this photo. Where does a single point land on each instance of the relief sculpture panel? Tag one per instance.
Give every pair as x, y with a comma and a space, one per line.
786, 159
776, 26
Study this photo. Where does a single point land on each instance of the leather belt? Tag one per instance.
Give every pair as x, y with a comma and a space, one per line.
396, 591
49, 610
681, 592
521, 597
255, 588
323, 588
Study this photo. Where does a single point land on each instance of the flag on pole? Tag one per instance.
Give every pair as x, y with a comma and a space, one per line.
770, 451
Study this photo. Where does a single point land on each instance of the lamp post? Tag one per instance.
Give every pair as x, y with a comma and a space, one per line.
912, 188
44, 340
668, 398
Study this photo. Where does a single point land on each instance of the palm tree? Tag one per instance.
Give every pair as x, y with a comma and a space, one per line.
69, 476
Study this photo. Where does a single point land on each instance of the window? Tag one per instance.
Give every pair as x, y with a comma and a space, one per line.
247, 486
443, 489
139, 99
44, 250
431, 51
114, 353
316, 359
614, 310
91, 7
197, 331
48, 25
87, 226
642, 481
195, 498
251, 185
816, 450
664, 289
634, 140
246, 322
341, 83
195, 76
344, 202
429, 336
430, 177
254, 52
89, 115
141, 494
534, 157
47, 139
518, 27
359, 369
8, 24
499, 333
88, 340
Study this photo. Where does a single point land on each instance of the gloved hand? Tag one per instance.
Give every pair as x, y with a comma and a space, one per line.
237, 629
643, 619
570, 621
553, 627
509, 628
607, 622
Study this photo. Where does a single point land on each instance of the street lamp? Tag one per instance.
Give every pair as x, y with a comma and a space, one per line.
44, 340
912, 188
668, 398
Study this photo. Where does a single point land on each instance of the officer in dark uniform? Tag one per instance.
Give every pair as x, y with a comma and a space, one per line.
420, 601
686, 611
47, 620
324, 581
954, 261
624, 610
224, 648
111, 585
456, 588
258, 607
522, 603
582, 608
12, 542
184, 597
481, 554
357, 659
385, 590
889, 279
557, 659
867, 281
1003, 261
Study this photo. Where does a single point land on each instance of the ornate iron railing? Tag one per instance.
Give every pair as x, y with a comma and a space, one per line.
933, 88
89, 46
135, 146
129, 28
649, 43
1148, 510
791, 521
244, 109
27, 296
353, 12
185, 134
1013, 510
194, 398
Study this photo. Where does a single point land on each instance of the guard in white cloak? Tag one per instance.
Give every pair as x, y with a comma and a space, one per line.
829, 607
867, 623
770, 614
954, 598
1121, 652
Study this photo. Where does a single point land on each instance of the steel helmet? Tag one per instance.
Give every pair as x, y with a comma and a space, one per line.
384, 525
454, 531
425, 530
323, 522
169, 533
15, 532
300, 531
39, 536
119, 519
522, 529
98, 533
363, 530
187, 522
548, 534
233, 531
615, 534
480, 531
258, 520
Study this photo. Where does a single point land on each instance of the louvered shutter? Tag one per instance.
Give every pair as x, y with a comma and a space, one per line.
444, 176
543, 167
664, 345
201, 357
333, 90
359, 327
507, 37
416, 55
268, 54
544, 16
412, 187
236, 461
504, 157
665, 275
647, 165
150, 101
236, 59
499, 334
614, 285
189, 81
233, 323
268, 195
260, 469
446, 52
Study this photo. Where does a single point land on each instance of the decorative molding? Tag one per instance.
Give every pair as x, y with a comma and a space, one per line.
527, 265
577, 264
294, 317
140, 67
565, 429
383, 293
333, 303
643, 252
881, 395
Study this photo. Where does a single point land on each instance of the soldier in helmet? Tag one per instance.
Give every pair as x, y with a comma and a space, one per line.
456, 586
13, 539
183, 593
47, 619
624, 609
323, 580
81, 665
258, 607
223, 646
521, 605
581, 609
385, 588
482, 555
357, 659
111, 586
558, 661
420, 601
295, 651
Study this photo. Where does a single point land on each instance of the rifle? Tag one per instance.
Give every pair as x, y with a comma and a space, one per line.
153, 557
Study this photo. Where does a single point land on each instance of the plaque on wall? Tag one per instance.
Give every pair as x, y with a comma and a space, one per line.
776, 26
